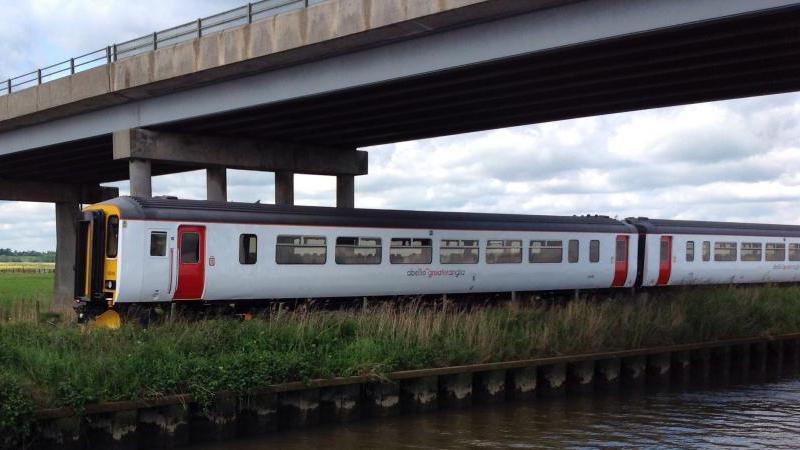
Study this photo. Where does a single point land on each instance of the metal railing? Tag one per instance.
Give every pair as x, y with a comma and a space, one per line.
159, 39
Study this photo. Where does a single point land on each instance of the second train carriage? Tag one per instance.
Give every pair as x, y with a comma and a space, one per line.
161, 250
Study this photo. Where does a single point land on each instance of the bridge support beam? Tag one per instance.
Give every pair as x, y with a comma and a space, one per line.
143, 147
66, 246
141, 173
284, 187
345, 191
217, 184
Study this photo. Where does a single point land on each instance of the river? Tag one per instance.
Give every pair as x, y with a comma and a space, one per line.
750, 416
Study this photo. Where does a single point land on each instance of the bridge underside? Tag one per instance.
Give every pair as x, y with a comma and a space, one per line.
742, 56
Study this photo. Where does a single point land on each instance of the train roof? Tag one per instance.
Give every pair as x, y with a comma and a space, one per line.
661, 226
230, 212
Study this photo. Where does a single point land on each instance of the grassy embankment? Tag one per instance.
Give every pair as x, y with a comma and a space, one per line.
21, 288
45, 365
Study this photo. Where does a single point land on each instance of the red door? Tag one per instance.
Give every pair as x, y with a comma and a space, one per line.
665, 261
191, 262
621, 262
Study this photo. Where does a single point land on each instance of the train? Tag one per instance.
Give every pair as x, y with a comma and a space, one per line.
136, 251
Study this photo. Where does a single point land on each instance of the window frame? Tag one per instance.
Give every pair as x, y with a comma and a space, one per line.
166, 238
303, 238
793, 247
745, 249
244, 252
505, 245
378, 246
689, 251
460, 246
108, 250
735, 252
594, 251
182, 247
411, 240
706, 251
779, 246
548, 244
573, 244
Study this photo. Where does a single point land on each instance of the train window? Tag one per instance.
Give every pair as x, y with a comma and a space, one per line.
794, 252
190, 248
158, 243
500, 251
622, 250
301, 250
248, 249
706, 250
776, 251
410, 251
573, 251
112, 237
724, 251
358, 250
546, 252
751, 251
690, 251
456, 251
594, 251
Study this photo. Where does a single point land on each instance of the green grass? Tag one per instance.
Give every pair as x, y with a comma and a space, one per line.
25, 286
47, 365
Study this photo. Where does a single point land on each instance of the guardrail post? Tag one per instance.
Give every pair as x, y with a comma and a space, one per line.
155, 40
108, 54
114, 51
39, 75
249, 13
8, 83
199, 28
72, 66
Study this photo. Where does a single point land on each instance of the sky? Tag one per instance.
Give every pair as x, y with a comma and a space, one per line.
736, 160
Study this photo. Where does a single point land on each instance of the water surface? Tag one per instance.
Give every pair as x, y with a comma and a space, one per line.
753, 416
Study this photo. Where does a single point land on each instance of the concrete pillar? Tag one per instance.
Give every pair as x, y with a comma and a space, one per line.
522, 383
489, 387
141, 178
580, 376
340, 404
552, 380
215, 423
298, 409
345, 191
455, 391
658, 369
164, 427
284, 188
607, 373
740, 363
419, 394
115, 430
258, 415
633, 370
217, 184
774, 358
701, 365
381, 399
681, 368
721, 365
66, 239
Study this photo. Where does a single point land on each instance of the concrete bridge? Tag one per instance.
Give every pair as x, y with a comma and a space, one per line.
302, 91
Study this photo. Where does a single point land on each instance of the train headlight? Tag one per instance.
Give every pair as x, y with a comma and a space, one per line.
111, 284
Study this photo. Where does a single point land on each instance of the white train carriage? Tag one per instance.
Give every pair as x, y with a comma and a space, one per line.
162, 250
692, 252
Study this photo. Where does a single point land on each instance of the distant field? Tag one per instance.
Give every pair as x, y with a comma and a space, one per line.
16, 287
32, 267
